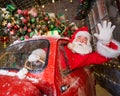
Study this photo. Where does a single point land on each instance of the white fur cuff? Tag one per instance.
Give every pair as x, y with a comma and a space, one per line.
108, 52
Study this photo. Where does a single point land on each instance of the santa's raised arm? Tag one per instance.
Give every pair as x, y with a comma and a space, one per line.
106, 45
79, 50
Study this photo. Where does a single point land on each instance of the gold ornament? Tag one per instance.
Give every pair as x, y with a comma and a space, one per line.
4, 23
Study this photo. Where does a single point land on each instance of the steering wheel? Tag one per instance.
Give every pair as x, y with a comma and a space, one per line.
30, 66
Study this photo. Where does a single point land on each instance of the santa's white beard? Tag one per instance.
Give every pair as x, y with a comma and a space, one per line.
81, 48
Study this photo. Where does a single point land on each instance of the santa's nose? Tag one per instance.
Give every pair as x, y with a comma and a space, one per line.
82, 39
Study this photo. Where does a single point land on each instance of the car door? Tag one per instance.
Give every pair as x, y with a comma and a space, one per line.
71, 82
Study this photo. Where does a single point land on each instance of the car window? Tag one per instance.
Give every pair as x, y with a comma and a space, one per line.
63, 60
31, 54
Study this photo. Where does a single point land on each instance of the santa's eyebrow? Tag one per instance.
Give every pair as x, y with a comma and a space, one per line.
81, 36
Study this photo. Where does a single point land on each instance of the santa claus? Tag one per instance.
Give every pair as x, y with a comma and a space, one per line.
36, 59
79, 50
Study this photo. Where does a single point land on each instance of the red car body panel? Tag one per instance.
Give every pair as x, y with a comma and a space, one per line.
51, 81
12, 86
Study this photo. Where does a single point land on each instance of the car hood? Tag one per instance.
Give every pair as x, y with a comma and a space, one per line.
13, 86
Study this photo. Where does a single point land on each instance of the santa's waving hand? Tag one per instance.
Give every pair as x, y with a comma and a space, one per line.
106, 30
105, 40
79, 50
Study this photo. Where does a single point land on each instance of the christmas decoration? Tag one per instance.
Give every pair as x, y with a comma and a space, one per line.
4, 40
29, 23
83, 9
10, 8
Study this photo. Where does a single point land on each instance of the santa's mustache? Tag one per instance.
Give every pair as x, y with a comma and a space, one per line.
79, 43
82, 48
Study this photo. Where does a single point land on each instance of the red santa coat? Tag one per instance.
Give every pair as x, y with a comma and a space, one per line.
76, 60
103, 54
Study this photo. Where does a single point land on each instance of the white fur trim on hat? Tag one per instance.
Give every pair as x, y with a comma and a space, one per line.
83, 33
108, 52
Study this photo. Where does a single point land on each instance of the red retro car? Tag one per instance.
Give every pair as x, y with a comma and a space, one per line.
23, 73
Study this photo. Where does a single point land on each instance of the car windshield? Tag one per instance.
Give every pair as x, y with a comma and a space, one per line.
31, 54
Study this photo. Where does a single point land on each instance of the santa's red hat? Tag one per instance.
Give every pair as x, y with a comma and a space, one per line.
83, 31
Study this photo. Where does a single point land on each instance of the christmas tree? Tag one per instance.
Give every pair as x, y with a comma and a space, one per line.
83, 9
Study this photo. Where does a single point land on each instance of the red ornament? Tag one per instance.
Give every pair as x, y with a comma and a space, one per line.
29, 30
65, 33
25, 28
25, 12
9, 25
19, 11
26, 37
58, 22
24, 20
16, 27
82, 1
12, 32
28, 18
46, 19
4, 39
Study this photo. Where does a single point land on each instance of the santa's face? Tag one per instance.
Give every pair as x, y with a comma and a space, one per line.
81, 39
81, 45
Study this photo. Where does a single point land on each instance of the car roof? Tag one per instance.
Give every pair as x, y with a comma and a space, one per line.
50, 38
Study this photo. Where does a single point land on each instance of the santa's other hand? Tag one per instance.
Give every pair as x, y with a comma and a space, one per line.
70, 46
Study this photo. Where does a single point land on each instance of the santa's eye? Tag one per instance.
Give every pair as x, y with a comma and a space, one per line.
82, 39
